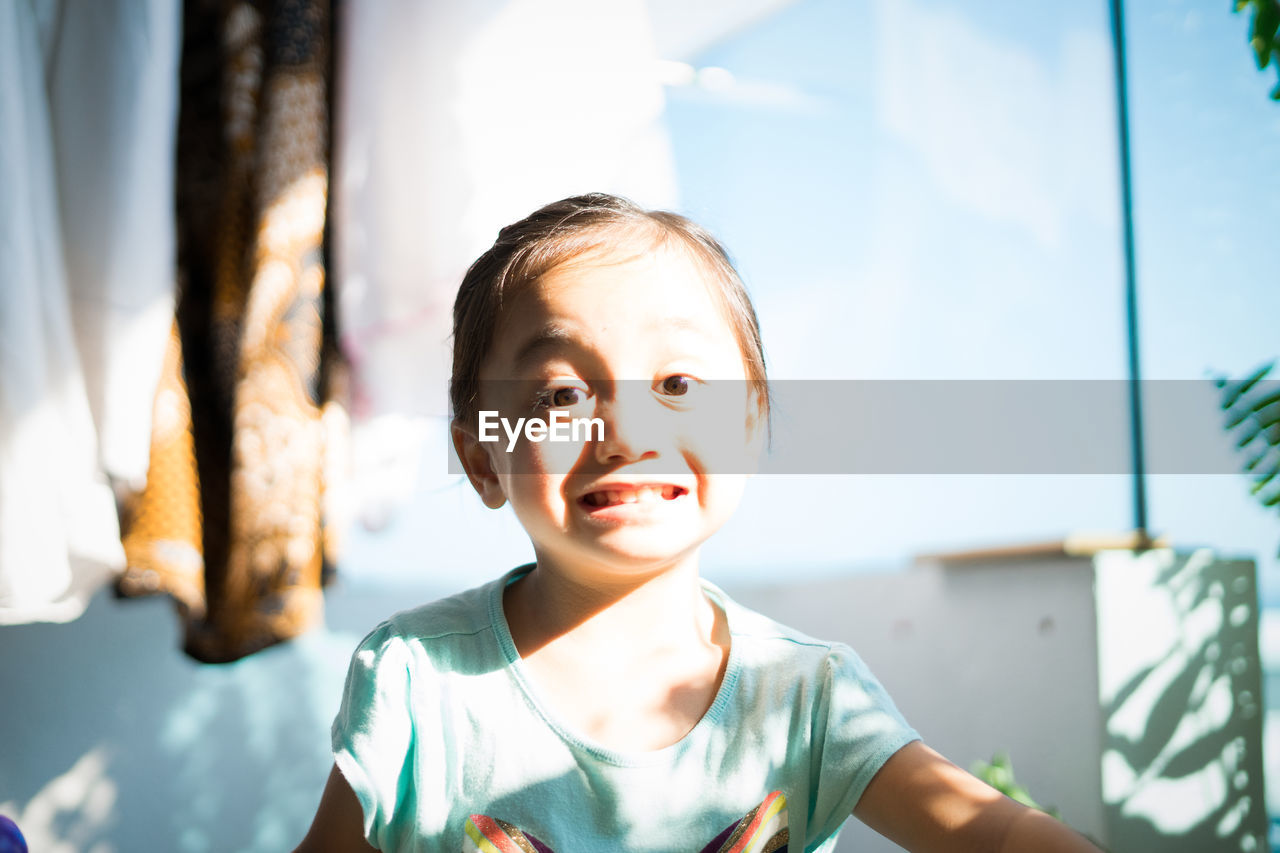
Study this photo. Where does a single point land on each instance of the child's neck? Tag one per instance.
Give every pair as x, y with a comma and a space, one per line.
633, 615
629, 665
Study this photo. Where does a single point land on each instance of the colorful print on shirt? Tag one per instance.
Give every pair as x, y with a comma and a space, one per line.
761, 830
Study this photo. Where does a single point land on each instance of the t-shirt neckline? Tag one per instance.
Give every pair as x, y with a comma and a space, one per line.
533, 695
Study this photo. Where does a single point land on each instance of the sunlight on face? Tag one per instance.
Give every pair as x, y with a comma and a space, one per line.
640, 341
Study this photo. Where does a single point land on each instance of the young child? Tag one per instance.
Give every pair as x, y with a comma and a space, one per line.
605, 698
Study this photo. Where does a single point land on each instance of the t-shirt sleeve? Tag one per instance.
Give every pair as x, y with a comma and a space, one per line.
373, 737
859, 728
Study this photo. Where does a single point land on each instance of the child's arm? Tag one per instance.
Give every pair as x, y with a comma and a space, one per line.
339, 823
925, 803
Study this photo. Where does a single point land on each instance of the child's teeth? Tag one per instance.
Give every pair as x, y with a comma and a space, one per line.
641, 494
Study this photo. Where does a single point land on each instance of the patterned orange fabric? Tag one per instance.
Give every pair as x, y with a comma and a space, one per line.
164, 526
230, 523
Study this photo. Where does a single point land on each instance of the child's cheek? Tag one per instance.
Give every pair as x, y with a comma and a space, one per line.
716, 430
557, 457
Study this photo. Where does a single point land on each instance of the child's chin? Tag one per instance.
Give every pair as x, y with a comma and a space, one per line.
641, 557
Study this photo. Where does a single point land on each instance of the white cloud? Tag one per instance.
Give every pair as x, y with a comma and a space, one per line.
999, 128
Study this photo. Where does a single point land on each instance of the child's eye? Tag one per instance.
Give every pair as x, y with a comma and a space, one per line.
559, 398
676, 386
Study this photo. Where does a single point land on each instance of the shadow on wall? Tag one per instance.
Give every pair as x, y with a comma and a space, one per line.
1181, 704
115, 740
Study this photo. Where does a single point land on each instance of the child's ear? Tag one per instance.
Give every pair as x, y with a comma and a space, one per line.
478, 465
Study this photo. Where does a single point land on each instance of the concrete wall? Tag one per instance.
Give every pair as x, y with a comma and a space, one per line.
979, 659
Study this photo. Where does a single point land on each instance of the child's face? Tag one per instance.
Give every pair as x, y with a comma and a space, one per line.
639, 341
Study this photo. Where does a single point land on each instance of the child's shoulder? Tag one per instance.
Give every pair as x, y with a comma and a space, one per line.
767, 639
781, 660
454, 619
754, 625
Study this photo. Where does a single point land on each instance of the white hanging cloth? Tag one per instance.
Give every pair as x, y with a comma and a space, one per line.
88, 108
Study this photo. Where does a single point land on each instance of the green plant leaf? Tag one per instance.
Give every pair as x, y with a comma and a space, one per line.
1233, 391
1264, 460
1266, 18
998, 773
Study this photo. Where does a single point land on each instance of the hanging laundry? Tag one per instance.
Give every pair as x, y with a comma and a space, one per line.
88, 104
230, 523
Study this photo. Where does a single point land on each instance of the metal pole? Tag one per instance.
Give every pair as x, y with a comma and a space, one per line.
1130, 279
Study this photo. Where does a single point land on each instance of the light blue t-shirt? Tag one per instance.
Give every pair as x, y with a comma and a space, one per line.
450, 747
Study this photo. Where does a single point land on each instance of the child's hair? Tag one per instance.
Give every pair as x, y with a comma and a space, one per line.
567, 229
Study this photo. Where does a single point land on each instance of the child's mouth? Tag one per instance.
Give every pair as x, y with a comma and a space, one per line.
602, 498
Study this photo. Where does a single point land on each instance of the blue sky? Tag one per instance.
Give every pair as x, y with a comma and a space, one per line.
929, 189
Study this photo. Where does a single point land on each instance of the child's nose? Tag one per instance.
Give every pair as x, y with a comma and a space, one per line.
631, 429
